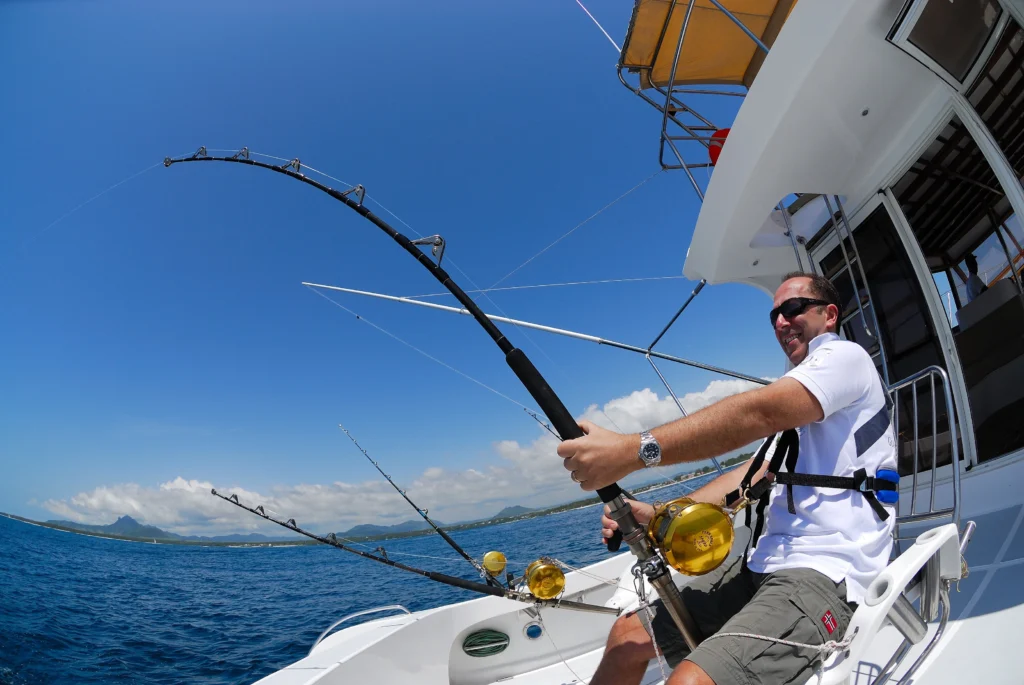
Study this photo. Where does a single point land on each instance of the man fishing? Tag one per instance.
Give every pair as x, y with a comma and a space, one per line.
821, 546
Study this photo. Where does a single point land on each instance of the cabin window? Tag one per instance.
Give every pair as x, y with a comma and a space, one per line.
974, 246
947, 36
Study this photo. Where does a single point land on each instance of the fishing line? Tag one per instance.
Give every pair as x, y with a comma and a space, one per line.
556, 285
94, 197
425, 354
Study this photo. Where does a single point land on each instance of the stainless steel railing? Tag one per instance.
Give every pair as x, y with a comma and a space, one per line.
390, 607
933, 376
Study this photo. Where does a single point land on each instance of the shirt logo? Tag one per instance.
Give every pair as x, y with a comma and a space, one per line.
830, 622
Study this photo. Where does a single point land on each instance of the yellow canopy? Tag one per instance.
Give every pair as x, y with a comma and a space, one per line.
715, 50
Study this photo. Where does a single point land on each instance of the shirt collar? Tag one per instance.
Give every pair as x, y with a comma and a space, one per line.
819, 341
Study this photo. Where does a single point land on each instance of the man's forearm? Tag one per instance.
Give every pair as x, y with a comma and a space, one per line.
711, 432
737, 421
715, 491
602, 457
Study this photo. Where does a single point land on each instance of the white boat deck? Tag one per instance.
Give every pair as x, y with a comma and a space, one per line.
426, 648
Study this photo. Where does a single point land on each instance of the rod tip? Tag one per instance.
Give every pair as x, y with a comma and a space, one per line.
213, 491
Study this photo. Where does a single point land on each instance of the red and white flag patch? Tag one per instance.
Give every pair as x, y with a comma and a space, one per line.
830, 622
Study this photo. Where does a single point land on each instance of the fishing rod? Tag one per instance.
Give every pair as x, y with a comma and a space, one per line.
531, 597
649, 561
423, 512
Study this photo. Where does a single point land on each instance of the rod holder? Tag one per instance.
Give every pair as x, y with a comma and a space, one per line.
906, 620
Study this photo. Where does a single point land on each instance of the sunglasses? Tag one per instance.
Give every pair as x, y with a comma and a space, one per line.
794, 306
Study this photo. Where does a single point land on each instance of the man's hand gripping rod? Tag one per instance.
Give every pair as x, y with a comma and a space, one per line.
655, 568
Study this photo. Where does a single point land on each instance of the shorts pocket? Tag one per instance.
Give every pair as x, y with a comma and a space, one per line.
830, 615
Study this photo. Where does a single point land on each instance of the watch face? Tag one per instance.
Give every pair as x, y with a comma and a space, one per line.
650, 451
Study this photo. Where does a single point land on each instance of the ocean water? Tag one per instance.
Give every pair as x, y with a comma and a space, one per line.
85, 610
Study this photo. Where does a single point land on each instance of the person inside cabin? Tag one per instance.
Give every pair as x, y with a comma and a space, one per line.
975, 286
819, 548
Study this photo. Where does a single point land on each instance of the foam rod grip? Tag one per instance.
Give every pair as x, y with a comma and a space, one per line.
560, 417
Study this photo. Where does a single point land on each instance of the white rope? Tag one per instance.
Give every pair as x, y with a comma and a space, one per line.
574, 229
428, 356
823, 650
617, 48
647, 613
556, 285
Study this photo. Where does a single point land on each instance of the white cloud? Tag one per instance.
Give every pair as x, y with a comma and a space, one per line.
527, 474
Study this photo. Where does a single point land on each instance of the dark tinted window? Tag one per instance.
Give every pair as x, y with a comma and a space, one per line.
905, 330
954, 33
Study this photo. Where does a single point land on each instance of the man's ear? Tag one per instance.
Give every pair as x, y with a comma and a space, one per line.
832, 308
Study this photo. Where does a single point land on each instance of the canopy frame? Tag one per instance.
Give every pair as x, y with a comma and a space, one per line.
685, 132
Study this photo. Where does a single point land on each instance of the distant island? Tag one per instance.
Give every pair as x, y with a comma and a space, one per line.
127, 528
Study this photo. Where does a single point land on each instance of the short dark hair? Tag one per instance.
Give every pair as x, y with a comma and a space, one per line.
821, 288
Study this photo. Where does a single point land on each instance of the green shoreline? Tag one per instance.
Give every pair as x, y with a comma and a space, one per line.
576, 504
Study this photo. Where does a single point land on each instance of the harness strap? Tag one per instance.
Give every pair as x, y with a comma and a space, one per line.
860, 481
755, 465
787, 450
758, 491
788, 444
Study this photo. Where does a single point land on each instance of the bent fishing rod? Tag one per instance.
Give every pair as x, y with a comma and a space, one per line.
454, 581
423, 513
652, 565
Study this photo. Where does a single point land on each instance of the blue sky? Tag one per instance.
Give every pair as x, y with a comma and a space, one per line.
160, 334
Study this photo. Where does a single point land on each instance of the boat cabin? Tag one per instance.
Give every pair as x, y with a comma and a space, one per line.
882, 148
879, 143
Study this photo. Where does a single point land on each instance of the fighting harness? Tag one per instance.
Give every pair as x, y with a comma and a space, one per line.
882, 487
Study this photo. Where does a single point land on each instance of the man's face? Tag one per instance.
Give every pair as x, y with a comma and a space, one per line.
795, 334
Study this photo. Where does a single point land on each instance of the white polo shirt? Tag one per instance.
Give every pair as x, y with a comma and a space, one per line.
834, 531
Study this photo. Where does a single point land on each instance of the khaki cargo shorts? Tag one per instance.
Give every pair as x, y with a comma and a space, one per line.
800, 605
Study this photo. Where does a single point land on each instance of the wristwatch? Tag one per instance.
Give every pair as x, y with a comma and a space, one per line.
650, 450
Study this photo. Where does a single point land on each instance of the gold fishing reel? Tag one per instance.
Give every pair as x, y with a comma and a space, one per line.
693, 537
544, 578
494, 563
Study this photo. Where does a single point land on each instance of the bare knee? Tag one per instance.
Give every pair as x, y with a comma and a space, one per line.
629, 640
689, 673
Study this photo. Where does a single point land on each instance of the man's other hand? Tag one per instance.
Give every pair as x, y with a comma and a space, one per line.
642, 512
600, 457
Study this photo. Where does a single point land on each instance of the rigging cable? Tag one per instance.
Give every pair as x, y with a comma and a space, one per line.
573, 230
425, 354
610, 40
477, 288
557, 285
